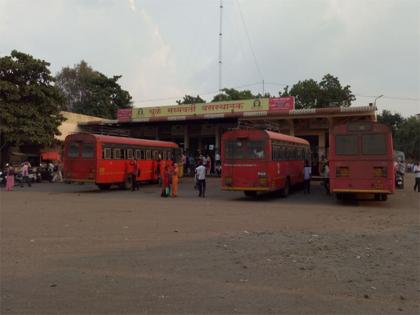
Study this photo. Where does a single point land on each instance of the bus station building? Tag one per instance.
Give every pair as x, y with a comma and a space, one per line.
199, 127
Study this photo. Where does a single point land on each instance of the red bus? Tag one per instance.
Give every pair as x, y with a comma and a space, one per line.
105, 160
260, 161
361, 159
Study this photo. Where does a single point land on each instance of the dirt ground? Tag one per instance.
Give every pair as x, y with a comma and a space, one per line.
73, 249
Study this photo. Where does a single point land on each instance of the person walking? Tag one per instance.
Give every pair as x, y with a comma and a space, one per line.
165, 182
10, 179
200, 173
208, 164
416, 170
58, 172
175, 178
25, 175
307, 172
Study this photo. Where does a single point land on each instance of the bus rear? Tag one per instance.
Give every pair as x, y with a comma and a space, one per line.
361, 160
245, 163
80, 162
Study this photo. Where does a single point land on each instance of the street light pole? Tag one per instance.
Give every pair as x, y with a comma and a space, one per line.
378, 97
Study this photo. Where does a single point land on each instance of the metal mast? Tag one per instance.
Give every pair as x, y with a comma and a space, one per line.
220, 47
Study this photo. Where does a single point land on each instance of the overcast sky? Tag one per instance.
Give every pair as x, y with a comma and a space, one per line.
165, 49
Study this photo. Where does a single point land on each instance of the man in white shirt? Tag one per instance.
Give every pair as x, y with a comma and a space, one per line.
307, 171
416, 171
200, 175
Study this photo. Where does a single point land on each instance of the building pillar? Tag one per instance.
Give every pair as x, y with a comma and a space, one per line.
291, 127
321, 144
186, 138
217, 139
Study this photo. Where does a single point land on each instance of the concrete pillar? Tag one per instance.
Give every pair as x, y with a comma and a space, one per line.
291, 127
321, 144
186, 138
217, 138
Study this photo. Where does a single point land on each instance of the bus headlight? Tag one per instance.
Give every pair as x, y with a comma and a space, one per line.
379, 172
228, 180
342, 172
261, 173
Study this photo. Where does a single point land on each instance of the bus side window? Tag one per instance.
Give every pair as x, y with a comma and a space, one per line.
106, 153
169, 155
130, 154
148, 155
164, 155
142, 155
155, 155
137, 155
116, 154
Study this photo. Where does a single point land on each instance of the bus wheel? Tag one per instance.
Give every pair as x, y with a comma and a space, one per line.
250, 193
377, 197
384, 197
286, 190
339, 196
104, 186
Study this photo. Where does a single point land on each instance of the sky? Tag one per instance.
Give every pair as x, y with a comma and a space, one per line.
165, 49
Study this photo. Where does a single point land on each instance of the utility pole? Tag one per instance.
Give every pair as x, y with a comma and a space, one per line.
220, 47
263, 88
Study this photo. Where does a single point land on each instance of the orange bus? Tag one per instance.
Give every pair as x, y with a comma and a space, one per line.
261, 161
105, 160
361, 160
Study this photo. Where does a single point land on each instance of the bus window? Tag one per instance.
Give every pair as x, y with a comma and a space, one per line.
137, 155
130, 154
169, 155
346, 145
117, 154
374, 144
73, 150
142, 155
148, 155
164, 155
256, 149
155, 155
88, 150
106, 154
234, 149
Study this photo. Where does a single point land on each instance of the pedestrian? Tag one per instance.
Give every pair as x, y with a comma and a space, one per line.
184, 164
135, 173
165, 182
200, 174
175, 177
191, 163
416, 170
10, 177
326, 177
307, 171
25, 175
58, 173
208, 164
217, 164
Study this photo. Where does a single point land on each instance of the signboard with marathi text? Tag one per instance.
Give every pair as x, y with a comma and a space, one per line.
124, 114
201, 109
282, 103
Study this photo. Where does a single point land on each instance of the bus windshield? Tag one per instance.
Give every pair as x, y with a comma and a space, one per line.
374, 144
346, 145
244, 149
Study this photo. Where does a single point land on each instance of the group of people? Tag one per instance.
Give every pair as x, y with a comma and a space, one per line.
169, 180
190, 162
307, 175
10, 175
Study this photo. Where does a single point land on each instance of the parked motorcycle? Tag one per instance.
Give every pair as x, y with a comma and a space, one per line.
399, 180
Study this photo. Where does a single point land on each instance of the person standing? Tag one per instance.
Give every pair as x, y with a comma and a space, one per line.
165, 182
58, 174
25, 175
326, 177
10, 179
208, 164
307, 172
217, 163
175, 177
134, 174
416, 170
200, 173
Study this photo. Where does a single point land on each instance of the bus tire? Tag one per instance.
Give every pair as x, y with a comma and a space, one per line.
339, 196
384, 197
128, 183
104, 186
286, 189
250, 193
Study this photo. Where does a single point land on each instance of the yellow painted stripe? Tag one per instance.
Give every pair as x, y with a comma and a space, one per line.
79, 180
362, 191
245, 188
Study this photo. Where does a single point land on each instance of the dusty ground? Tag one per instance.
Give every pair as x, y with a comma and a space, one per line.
73, 249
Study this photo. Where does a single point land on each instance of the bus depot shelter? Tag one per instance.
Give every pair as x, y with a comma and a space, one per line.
198, 128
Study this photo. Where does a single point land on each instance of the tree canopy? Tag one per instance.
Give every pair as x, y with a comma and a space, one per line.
233, 95
29, 102
394, 121
326, 93
188, 99
90, 92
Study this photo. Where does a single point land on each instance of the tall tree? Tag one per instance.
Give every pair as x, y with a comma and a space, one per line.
328, 92
188, 99
233, 95
90, 92
408, 138
394, 121
30, 104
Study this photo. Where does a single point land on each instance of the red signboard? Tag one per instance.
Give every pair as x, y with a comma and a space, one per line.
124, 114
281, 103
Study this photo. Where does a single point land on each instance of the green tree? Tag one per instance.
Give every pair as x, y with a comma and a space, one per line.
328, 92
233, 95
90, 92
394, 121
188, 99
408, 138
30, 104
